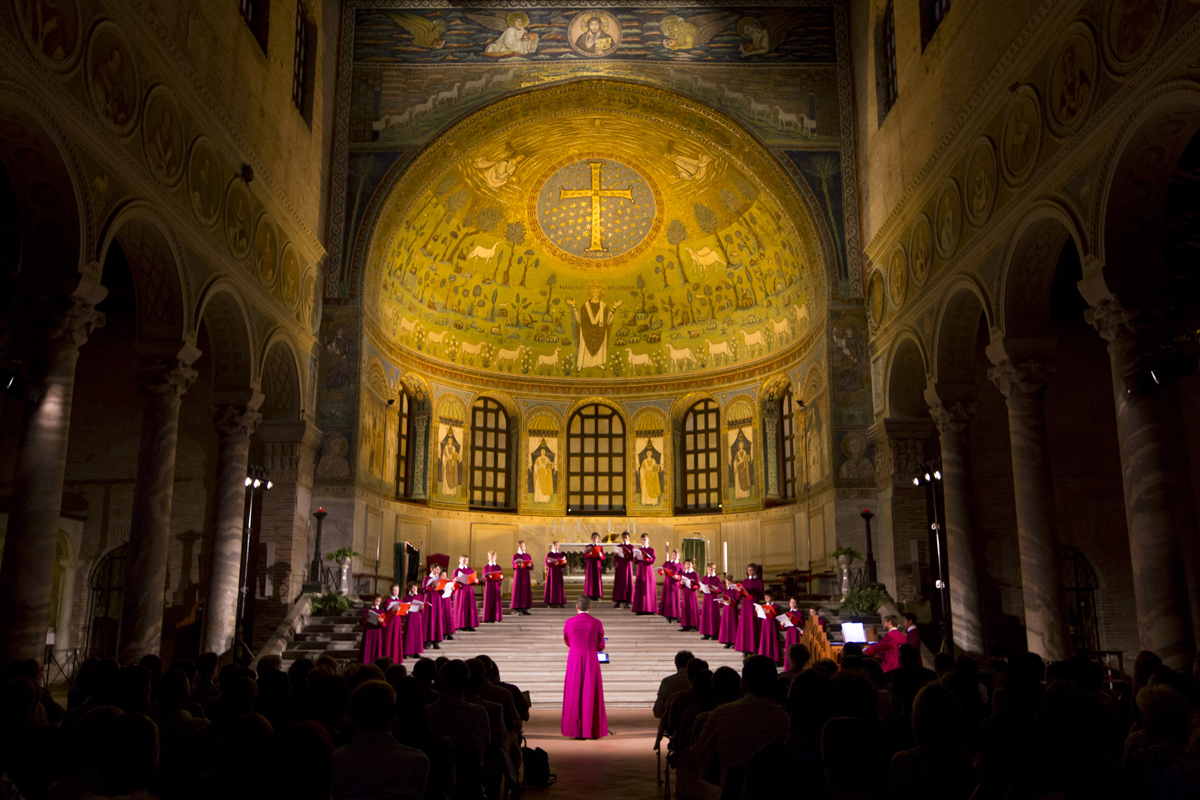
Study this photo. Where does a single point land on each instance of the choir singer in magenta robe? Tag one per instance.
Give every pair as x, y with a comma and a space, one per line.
593, 570
583, 715
623, 573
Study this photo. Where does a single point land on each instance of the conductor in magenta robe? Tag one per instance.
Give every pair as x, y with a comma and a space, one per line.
493, 576
583, 715
555, 593
522, 591
645, 587
593, 560
623, 573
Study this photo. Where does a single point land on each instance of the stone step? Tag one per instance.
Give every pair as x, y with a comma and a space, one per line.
530, 653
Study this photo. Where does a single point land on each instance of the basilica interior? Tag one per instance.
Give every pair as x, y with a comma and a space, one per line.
295, 290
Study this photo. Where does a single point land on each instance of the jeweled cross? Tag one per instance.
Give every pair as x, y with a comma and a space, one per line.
596, 194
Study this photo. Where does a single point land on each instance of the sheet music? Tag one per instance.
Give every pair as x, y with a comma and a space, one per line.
639, 554
760, 612
686, 581
706, 588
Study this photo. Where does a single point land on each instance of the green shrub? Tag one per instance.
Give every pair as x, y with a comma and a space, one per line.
341, 554
330, 604
864, 601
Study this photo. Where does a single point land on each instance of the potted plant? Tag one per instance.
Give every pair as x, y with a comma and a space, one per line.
844, 556
864, 602
329, 604
342, 557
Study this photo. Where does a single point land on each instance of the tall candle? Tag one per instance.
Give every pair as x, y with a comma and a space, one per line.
725, 556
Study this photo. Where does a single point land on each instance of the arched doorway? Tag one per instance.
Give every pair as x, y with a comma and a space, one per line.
107, 588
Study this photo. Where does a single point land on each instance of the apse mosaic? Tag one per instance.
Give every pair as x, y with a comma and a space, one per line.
516, 245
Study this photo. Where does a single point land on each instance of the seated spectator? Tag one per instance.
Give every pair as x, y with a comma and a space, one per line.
1156, 755
782, 770
84, 768
938, 765
302, 762
25, 751
702, 691
374, 764
204, 686
910, 677
237, 770
797, 659
465, 724
848, 751
735, 731
673, 683
128, 756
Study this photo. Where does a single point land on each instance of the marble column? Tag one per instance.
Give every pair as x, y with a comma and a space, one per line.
55, 329
235, 425
164, 383
1023, 384
66, 606
289, 455
953, 420
1157, 516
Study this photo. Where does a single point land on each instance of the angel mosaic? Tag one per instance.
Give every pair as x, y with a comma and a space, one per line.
515, 38
426, 33
765, 32
696, 31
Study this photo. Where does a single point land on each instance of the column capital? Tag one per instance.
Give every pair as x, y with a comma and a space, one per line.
1020, 378
1118, 319
235, 420
290, 449
66, 321
952, 406
166, 377
72, 564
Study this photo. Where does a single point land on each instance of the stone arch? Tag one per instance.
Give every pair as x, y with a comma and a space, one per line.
958, 322
907, 377
227, 322
1032, 257
280, 380
57, 230
1127, 219
155, 259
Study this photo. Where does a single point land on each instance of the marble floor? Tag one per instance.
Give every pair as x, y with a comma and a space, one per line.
621, 765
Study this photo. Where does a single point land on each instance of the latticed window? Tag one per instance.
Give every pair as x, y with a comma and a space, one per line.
932, 14
490, 464
595, 461
298, 58
787, 445
256, 13
403, 465
701, 457
888, 89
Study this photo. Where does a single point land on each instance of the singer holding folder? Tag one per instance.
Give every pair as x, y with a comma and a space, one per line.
768, 635
623, 573
555, 594
435, 628
414, 622
374, 620
583, 715
751, 590
727, 633
645, 587
466, 611
393, 639
710, 611
522, 589
593, 559
493, 577
669, 605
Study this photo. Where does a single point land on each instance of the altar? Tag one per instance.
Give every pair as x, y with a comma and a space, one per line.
574, 568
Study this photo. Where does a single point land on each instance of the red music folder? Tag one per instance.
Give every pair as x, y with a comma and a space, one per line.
594, 551
495, 576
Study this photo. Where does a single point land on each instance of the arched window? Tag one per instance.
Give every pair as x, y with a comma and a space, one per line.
490, 464
701, 457
885, 65
596, 461
107, 586
403, 448
787, 445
